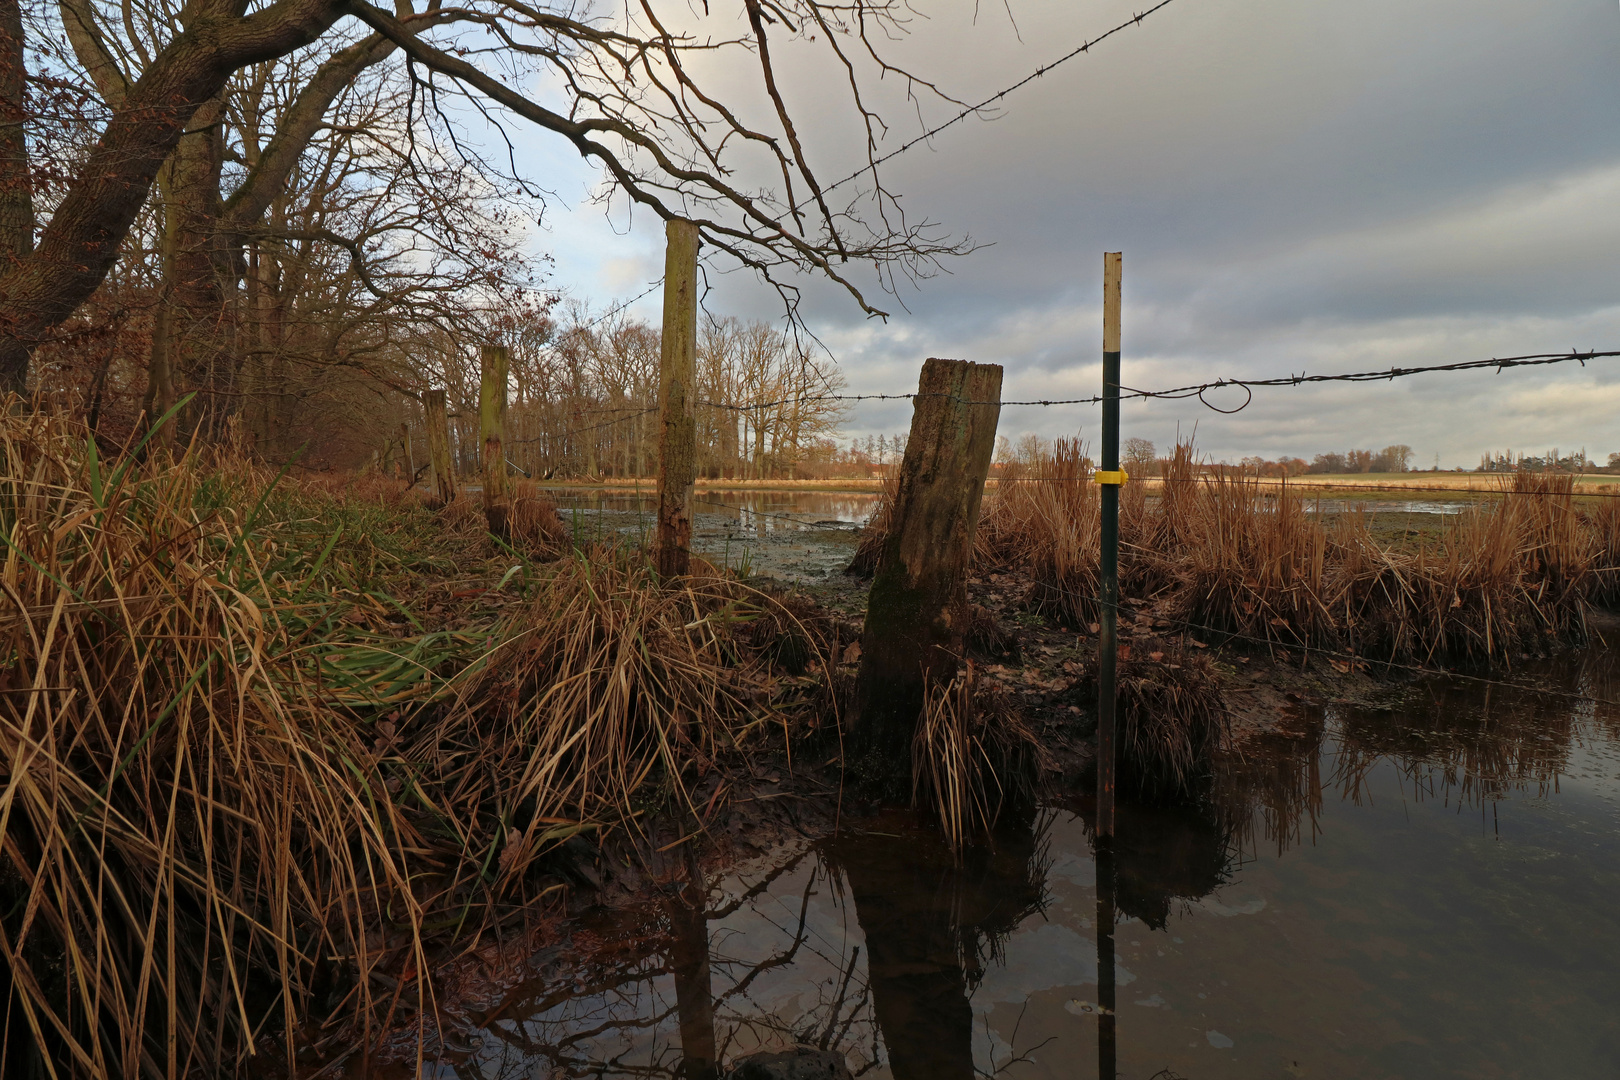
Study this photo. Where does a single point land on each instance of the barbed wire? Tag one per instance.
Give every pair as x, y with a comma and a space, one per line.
973, 110
1199, 389
625, 415
618, 307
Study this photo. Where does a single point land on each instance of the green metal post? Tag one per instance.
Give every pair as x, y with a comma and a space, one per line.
1108, 642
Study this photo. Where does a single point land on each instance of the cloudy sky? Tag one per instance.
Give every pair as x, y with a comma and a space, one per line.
1296, 185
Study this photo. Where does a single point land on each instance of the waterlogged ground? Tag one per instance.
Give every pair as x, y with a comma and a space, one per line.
1428, 890
809, 536
792, 536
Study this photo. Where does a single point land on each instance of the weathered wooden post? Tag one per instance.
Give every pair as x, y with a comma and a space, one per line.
677, 391
917, 606
492, 436
408, 459
1110, 477
438, 434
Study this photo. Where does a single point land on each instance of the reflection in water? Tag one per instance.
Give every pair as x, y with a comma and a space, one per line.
793, 535
931, 924
1282, 926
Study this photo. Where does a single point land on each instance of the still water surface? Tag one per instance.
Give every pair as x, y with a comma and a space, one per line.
1429, 890
809, 535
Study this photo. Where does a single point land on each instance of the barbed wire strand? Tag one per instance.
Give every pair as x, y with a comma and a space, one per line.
1198, 390
973, 110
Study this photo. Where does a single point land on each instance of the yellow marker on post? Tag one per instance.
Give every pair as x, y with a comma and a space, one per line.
1116, 477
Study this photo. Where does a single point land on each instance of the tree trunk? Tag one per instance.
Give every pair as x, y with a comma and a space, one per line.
438, 435
16, 186
492, 430
81, 243
198, 352
914, 615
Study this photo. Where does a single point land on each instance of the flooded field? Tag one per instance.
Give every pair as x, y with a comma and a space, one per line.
808, 535
790, 535
1426, 890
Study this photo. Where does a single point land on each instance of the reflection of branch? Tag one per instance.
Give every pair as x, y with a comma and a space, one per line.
780, 958
756, 889
838, 999
1017, 1057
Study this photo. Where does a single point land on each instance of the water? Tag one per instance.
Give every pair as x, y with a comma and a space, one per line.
1423, 891
791, 535
800, 535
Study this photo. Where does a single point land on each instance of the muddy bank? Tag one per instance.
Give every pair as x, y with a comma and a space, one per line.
607, 904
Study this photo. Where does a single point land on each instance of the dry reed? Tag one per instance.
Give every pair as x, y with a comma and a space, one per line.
1048, 524
971, 756
243, 782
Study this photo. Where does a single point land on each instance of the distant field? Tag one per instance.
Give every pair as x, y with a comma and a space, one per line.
1430, 481
1402, 485
848, 483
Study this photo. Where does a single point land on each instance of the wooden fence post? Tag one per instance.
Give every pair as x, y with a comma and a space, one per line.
677, 390
492, 435
916, 610
438, 435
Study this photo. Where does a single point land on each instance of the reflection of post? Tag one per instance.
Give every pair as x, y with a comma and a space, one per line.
919, 993
927, 918
1106, 1035
689, 964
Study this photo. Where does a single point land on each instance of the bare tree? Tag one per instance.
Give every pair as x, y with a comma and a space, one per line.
657, 123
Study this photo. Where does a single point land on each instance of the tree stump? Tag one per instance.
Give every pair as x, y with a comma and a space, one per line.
915, 611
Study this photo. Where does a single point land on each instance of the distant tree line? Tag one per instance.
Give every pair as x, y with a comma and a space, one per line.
585, 398
1552, 461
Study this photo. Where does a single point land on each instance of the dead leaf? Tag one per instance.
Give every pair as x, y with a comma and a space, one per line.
1124, 652
1095, 627
1196, 644
853, 653
510, 852
1155, 656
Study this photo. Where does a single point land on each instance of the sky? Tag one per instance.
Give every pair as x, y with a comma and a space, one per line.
1296, 185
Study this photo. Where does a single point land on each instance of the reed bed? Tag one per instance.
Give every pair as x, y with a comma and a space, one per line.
250, 779
1226, 554
1048, 524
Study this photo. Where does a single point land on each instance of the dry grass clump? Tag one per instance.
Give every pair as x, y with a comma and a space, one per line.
1233, 555
1172, 720
971, 755
876, 532
534, 523
1049, 524
605, 682
244, 781
1242, 558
